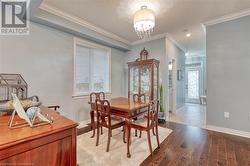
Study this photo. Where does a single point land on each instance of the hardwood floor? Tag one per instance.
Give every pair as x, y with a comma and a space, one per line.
190, 114
191, 146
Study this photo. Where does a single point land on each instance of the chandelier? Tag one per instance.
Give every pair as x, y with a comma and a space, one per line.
144, 22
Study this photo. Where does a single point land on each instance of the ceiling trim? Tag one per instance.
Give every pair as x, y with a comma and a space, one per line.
80, 21
160, 36
33, 6
179, 45
228, 17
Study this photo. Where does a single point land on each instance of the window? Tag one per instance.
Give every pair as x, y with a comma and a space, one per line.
91, 68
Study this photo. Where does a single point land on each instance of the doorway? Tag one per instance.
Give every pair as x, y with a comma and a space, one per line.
192, 112
193, 84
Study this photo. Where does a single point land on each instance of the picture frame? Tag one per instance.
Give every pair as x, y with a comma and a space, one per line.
179, 75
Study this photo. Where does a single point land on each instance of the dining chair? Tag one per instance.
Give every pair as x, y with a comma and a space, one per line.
104, 119
150, 123
93, 97
138, 98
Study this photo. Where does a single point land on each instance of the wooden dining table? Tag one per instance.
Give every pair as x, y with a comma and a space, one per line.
127, 109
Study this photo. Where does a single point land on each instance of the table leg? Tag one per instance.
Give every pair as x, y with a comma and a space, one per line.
128, 131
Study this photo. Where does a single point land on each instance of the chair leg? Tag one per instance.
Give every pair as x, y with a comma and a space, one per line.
157, 135
149, 142
91, 120
140, 135
92, 123
124, 134
153, 131
108, 143
101, 130
98, 133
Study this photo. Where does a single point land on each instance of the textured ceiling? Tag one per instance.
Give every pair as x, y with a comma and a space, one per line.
172, 16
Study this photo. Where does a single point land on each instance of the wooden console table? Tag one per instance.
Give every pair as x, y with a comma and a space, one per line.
53, 144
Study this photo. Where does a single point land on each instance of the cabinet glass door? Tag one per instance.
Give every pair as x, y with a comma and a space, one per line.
145, 71
134, 81
155, 82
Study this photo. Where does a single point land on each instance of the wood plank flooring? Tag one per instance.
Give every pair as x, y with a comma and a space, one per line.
191, 146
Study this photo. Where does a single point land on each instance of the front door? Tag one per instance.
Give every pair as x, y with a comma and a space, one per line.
192, 84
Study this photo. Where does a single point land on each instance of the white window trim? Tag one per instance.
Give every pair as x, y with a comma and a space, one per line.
78, 41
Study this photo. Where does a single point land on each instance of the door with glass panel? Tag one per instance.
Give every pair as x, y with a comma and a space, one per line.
192, 84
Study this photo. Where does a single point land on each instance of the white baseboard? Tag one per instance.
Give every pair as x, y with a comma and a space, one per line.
228, 131
83, 123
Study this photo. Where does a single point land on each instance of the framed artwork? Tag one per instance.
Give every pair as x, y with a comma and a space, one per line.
179, 75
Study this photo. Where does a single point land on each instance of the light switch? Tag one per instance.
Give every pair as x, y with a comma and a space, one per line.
226, 115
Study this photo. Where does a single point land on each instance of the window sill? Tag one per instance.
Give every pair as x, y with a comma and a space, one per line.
84, 96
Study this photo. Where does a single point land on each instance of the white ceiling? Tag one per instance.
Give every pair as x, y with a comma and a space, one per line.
172, 16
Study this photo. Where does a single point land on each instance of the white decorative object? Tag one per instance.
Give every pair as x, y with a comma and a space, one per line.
144, 22
32, 114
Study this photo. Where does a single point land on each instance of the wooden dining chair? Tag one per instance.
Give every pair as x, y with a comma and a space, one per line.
104, 119
138, 98
93, 96
150, 123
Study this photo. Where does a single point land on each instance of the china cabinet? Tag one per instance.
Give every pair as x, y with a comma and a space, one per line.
143, 78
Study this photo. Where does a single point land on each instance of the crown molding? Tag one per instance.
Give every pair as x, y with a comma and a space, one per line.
55, 11
228, 17
160, 36
80, 21
179, 45
204, 28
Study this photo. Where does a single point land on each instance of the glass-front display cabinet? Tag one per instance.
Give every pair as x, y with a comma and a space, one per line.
143, 78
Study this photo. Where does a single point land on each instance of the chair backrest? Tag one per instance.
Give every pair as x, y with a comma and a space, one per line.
103, 111
139, 97
96, 95
153, 109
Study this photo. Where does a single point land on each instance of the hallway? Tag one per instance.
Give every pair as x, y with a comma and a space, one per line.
191, 114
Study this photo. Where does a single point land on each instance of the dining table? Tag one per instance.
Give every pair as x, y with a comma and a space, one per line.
128, 109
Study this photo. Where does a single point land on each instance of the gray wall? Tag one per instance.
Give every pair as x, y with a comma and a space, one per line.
228, 74
173, 52
45, 60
